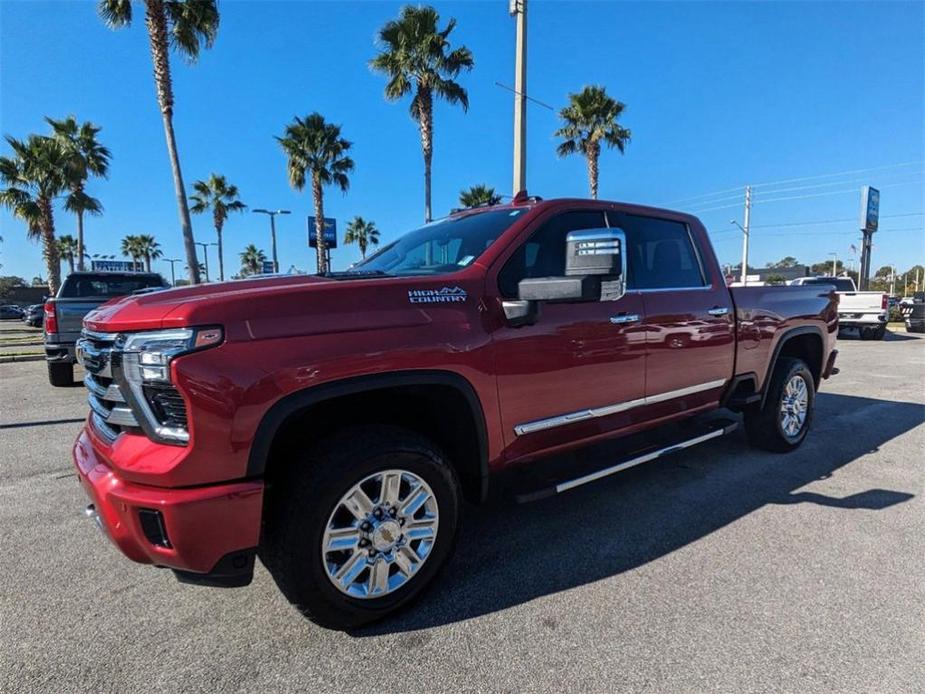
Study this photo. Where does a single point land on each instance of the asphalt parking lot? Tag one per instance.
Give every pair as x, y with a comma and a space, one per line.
721, 569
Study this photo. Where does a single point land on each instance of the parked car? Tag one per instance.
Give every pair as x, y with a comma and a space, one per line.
8, 311
34, 315
334, 424
866, 312
913, 313
80, 293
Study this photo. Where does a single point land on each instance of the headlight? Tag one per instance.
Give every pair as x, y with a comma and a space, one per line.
145, 371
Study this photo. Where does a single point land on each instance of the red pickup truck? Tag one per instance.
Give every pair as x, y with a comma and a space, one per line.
333, 424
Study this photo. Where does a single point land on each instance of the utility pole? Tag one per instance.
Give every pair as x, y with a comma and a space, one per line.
834, 264
892, 280
173, 275
518, 9
748, 211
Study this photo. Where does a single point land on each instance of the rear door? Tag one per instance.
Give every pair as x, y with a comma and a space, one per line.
689, 317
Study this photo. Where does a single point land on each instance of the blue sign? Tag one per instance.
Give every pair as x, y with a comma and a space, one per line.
870, 208
114, 266
330, 232
267, 268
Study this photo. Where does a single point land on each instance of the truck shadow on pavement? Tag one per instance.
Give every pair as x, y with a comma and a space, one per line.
509, 554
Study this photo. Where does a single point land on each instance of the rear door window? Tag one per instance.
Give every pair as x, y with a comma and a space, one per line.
107, 286
660, 253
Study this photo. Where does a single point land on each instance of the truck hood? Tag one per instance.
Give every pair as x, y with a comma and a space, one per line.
180, 307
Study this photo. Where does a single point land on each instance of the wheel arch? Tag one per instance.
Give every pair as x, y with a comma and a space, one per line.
806, 342
466, 439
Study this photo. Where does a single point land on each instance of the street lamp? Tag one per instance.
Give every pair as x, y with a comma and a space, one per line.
272, 215
834, 264
173, 276
205, 255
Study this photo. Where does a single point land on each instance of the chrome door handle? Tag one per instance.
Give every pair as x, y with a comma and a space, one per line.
625, 318
718, 311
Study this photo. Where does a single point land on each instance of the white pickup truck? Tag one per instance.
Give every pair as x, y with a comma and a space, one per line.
867, 312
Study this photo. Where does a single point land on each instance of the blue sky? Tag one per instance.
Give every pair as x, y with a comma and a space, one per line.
718, 95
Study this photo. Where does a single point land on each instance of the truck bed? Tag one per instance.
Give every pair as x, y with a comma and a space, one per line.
763, 313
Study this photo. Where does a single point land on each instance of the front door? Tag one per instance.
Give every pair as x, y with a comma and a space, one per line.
574, 373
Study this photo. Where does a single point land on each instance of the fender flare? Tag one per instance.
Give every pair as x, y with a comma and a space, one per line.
294, 402
784, 339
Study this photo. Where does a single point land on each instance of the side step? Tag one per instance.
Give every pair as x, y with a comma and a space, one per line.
715, 430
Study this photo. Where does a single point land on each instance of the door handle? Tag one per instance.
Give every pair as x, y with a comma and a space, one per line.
718, 311
625, 318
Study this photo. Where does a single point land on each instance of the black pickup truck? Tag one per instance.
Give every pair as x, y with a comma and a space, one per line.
80, 293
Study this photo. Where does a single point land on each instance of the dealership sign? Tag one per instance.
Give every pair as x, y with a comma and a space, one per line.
113, 266
870, 208
330, 232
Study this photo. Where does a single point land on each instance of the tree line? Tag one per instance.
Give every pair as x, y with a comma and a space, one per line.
414, 54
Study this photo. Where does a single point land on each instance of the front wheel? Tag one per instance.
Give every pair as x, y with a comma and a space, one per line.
782, 422
361, 524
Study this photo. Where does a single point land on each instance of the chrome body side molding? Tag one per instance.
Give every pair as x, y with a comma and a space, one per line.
606, 410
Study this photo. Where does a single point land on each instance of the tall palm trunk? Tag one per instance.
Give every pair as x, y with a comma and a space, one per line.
80, 241
156, 22
221, 261
426, 121
50, 246
318, 195
592, 154
70, 262
147, 263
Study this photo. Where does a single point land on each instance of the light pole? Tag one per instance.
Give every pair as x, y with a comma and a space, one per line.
272, 215
518, 9
834, 264
173, 275
205, 255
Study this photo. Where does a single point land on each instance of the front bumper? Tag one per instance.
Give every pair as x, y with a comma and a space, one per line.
211, 531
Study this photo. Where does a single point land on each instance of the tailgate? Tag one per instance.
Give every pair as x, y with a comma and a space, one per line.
70, 313
860, 302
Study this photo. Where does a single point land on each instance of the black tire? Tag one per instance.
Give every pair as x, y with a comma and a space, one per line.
879, 333
303, 497
763, 424
865, 333
60, 374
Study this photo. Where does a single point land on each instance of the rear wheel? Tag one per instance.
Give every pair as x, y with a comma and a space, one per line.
879, 333
360, 524
60, 374
781, 424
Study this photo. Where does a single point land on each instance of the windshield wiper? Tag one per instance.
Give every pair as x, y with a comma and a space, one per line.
356, 274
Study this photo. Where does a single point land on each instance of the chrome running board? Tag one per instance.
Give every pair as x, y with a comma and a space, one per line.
720, 428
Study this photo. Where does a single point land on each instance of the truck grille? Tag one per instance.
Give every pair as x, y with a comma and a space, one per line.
111, 414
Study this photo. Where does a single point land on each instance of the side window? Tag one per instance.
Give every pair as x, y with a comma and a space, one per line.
543, 254
660, 253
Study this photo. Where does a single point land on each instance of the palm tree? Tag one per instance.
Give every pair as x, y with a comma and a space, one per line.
315, 147
589, 119
89, 158
479, 195
149, 249
131, 248
362, 233
252, 259
415, 56
222, 198
186, 26
68, 249
32, 177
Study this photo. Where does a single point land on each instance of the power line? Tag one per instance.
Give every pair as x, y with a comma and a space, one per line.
791, 180
840, 173
831, 221
838, 183
831, 192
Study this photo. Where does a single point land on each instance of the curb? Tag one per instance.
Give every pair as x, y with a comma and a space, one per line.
7, 358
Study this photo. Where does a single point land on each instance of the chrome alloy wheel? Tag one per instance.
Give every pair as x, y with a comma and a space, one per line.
793, 406
380, 534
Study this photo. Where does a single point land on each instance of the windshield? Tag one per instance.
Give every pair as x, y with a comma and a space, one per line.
841, 284
104, 286
440, 247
